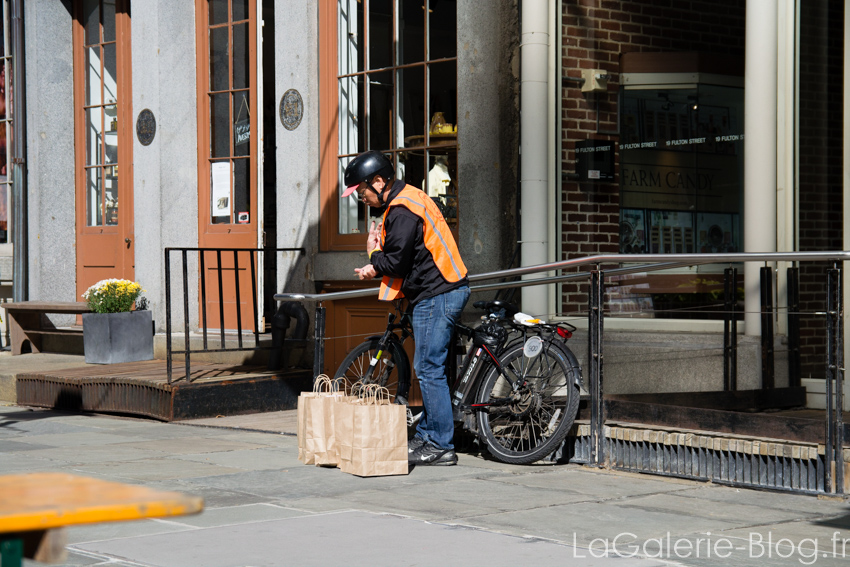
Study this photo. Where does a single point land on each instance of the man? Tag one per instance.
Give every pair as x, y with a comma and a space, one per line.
414, 252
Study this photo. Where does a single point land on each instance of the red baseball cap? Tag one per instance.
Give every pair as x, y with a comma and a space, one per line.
350, 190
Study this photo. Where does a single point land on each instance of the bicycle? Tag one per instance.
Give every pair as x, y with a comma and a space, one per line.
517, 386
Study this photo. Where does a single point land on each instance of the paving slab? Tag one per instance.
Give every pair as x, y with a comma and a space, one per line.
751, 549
354, 539
92, 454
242, 514
261, 458
23, 462
679, 504
781, 501
8, 446
585, 521
264, 507
120, 530
155, 469
275, 421
596, 484
193, 445
74, 438
451, 501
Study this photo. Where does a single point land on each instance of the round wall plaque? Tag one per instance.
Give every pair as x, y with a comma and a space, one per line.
291, 109
145, 127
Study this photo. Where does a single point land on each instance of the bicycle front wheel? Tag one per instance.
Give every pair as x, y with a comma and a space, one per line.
524, 425
392, 370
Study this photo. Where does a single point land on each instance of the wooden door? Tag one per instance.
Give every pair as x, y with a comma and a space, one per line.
103, 139
227, 161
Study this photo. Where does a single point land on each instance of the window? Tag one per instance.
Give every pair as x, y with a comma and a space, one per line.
394, 90
101, 105
228, 98
681, 179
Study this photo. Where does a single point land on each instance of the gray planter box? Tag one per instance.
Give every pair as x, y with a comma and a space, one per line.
110, 338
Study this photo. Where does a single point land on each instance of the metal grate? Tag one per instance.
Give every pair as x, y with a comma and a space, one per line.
769, 464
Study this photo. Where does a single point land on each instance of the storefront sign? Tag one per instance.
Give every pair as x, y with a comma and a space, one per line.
679, 181
595, 160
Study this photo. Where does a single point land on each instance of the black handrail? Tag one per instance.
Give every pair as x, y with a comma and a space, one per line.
186, 352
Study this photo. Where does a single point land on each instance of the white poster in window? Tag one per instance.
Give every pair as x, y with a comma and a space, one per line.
221, 172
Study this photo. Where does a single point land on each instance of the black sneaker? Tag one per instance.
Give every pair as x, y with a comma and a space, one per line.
430, 454
414, 444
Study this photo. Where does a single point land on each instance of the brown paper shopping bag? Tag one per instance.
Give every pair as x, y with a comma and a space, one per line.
315, 423
371, 434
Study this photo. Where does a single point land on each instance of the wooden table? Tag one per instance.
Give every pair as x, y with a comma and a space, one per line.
36, 507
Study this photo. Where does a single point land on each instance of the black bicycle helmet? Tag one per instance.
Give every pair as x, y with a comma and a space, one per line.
365, 167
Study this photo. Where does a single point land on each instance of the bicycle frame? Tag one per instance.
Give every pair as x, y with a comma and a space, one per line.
476, 360
404, 325
517, 403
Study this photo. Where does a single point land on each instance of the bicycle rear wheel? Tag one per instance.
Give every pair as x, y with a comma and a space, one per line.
392, 370
526, 425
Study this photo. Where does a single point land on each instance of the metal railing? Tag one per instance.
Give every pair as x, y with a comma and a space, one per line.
220, 255
831, 473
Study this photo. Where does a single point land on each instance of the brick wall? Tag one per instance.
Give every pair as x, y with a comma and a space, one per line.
595, 34
820, 165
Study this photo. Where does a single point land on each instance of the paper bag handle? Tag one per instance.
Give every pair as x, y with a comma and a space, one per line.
323, 383
374, 394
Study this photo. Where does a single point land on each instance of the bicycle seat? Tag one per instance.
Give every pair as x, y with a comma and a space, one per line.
497, 305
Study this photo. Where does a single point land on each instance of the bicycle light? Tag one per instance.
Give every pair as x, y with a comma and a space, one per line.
565, 334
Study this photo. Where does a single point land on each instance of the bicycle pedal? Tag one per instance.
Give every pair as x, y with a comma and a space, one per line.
413, 419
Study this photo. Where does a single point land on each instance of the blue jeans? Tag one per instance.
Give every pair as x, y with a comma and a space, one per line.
433, 323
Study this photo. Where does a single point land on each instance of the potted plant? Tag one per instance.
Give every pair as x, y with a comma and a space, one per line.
115, 332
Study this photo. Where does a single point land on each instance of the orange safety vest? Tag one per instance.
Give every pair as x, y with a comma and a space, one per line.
438, 240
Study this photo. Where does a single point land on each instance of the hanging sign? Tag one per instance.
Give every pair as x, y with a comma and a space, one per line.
242, 132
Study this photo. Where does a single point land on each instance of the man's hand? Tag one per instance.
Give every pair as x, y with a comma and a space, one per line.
367, 272
374, 237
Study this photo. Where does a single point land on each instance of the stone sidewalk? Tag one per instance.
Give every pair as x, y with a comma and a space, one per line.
264, 508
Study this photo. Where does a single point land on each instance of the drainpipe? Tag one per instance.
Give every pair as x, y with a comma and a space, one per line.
760, 94
534, 156
19, 171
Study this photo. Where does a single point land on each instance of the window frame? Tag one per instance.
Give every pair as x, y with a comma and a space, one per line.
124, 115
205, 158
330, 239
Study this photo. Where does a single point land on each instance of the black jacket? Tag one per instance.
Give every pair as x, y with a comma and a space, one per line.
404, 254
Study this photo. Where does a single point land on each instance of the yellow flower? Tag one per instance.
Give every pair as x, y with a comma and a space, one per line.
112, 295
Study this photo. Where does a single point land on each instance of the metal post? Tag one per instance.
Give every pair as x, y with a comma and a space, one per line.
319, 352
238, 294
203, 271
834, 379
254, 297
767, 373
20, 226
597, 410
730, 329
794, 368
186, 315
220, 297
168, 314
